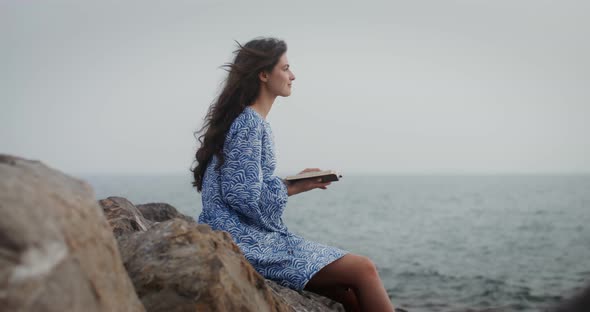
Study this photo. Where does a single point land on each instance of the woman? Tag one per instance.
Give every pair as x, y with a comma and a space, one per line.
241, 194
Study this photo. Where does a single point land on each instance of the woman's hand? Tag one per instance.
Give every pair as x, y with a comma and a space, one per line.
296, 187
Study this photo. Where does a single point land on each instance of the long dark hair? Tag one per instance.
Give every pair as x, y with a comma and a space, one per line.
241, 89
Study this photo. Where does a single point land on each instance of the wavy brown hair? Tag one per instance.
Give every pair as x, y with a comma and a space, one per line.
241, 88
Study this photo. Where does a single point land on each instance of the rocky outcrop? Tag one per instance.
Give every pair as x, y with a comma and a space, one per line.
182, 266
57, 251
159, 212
305, 301
123, 216
580, 302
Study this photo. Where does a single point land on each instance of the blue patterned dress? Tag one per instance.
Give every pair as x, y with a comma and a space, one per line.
247, 200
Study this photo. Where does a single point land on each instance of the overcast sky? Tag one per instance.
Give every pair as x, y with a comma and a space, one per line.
395, 87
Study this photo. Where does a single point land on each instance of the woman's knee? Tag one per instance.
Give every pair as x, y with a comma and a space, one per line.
366, 267
351, 270
358, 269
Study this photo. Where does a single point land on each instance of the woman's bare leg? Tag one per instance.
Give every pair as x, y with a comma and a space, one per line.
359, 273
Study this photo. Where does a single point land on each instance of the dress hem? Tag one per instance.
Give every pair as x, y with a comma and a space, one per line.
344, 253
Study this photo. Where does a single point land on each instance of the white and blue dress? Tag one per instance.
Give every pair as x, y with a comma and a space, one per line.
246, 199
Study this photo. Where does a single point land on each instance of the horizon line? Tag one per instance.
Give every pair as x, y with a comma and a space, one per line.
359, 173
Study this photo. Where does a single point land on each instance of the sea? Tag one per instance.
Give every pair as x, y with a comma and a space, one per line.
440, 243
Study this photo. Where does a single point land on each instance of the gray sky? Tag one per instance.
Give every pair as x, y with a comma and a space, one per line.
396, 87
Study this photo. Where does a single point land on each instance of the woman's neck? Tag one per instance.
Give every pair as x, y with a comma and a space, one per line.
263, 103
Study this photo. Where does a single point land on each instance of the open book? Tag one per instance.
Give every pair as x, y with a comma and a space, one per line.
326, 175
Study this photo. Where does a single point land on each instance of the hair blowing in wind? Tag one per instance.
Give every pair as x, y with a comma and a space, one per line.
241, 88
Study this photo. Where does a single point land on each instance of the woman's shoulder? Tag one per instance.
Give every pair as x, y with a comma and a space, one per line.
248, 120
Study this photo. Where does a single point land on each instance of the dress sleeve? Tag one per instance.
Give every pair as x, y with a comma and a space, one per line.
243, 185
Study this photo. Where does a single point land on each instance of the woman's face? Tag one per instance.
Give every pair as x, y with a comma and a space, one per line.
280, 79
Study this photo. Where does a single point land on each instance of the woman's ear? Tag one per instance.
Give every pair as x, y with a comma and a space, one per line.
263, 76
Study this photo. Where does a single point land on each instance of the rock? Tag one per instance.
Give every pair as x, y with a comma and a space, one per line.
305, 301
579, 302
57, 251
123, 216
183, 266
159, 212
121, 213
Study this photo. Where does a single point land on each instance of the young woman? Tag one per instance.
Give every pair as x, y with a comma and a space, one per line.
242, 196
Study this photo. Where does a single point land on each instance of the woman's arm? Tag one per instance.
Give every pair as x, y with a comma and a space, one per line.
242, 181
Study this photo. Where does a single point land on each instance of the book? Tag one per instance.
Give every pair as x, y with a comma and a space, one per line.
326, 175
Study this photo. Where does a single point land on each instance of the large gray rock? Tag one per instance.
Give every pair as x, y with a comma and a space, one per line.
580, 302
57, 251
159, 212
123, 216
305, 301
183, 266
194, 262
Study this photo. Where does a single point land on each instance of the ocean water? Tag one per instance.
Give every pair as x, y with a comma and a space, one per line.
441, 243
